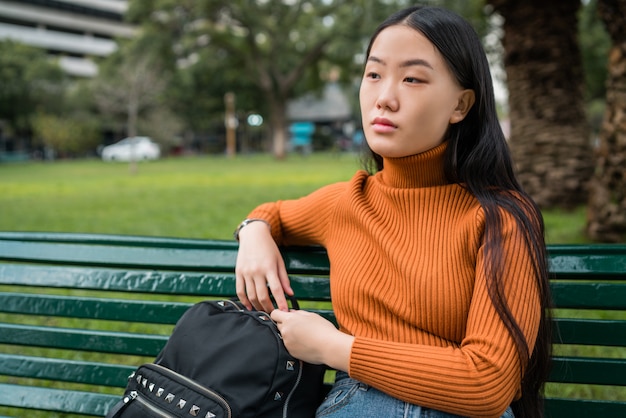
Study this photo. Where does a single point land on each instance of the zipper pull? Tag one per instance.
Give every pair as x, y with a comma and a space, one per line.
119, 407
131, 396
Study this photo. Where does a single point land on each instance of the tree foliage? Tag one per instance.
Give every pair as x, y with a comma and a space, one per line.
266, 52
67, 135
28, 81
128, 86
594, 44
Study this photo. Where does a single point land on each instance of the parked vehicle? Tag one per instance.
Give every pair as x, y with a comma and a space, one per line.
132, 149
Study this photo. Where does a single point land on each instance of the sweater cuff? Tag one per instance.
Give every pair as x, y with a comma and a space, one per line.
270, 216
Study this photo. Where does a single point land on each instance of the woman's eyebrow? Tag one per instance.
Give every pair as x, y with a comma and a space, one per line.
407, 63
376, 60
417, 61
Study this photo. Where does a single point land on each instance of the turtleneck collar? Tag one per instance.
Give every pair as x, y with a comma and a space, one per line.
420, 170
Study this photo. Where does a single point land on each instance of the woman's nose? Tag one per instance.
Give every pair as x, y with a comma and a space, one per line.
387, 99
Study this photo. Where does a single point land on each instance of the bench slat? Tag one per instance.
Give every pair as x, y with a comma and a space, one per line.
92, 308
602, 332
90, 373
149, 312
142, 281
165, 254
119, 256
83, 340
592, 371
584, 408
58, 400
111, 239
589, 295
565, 260
597, 260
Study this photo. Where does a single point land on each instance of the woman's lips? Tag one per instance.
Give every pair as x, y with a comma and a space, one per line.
383, 125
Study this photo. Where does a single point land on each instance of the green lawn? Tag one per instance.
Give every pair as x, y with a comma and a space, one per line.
192, 197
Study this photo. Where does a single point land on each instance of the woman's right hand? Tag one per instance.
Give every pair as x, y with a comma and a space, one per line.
260, 269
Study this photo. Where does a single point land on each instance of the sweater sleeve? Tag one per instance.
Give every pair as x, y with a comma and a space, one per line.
302, 221
479, 377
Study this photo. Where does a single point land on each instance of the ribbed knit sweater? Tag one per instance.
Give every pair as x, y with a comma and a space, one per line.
407, 279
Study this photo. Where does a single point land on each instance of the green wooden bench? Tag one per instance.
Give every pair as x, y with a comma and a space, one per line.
79, 312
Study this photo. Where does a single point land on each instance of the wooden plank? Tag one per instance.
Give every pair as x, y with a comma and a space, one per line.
82, 340
592, 371
209, 284
109, 239
137, 252
611, 333
597, 260
110, 279
568, 408
591, 295
70, 401
565, 260
119, 256
92, 308
98, 308
90, 373
590, 332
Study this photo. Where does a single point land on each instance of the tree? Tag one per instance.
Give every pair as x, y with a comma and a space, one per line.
607, 202
29, 82
550, 138
277, 46
129, 88
69, 134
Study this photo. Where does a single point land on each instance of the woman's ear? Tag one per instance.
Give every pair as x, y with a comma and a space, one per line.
463, 106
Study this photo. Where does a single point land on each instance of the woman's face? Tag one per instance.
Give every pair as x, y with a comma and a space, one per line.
408, 95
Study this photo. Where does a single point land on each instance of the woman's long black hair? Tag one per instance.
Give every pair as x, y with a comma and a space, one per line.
478, 158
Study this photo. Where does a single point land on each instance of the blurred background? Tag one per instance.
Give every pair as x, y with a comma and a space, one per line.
178, 80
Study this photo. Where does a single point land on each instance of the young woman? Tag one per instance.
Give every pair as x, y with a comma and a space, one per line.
438, 268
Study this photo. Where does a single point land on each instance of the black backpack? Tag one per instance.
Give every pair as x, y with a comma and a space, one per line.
223, 361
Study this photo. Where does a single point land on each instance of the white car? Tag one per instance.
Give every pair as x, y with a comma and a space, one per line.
132, 149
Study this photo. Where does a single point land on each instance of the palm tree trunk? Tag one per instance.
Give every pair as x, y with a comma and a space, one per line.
549, 132
607, 201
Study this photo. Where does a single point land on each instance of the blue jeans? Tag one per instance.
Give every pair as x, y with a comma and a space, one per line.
350, 398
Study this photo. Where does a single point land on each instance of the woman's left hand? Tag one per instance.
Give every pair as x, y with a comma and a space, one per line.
311, 338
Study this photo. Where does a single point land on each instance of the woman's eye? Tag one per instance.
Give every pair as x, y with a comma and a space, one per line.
372, 75
413, 80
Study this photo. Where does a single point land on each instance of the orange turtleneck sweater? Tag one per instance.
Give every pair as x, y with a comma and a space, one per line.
406, 252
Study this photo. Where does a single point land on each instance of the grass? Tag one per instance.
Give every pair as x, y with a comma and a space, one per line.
194, 197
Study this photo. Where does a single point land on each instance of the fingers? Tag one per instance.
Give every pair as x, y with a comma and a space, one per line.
257, 285
285, 283
240, 286
257, 292
278, 293
278, 316
260, 270
262, 302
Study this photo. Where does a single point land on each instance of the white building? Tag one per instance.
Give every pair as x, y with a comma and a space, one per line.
74, 31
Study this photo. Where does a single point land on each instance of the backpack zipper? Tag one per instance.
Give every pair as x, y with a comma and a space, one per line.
194, 385
295, 386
